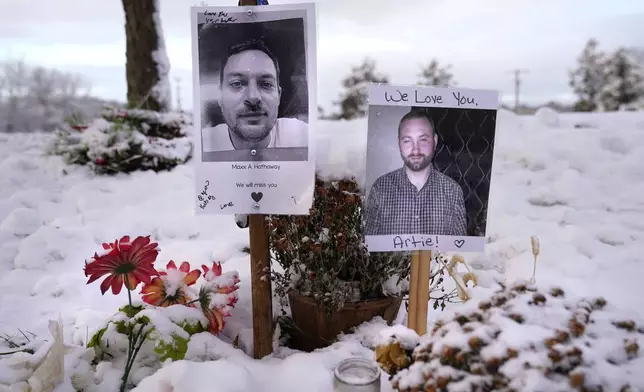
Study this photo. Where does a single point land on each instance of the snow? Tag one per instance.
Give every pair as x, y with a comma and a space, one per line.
576, 185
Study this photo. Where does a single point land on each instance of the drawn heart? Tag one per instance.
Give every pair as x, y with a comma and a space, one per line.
459, 243
257, 196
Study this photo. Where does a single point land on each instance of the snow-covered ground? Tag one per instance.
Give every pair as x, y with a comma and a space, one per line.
574, 180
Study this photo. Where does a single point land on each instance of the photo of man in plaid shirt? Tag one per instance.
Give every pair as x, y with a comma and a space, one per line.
416, 198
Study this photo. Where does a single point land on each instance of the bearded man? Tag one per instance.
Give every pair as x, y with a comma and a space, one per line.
416, 198
250, 95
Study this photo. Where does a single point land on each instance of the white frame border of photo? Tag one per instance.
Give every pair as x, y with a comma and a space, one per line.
427, 96
411, 242
275, 201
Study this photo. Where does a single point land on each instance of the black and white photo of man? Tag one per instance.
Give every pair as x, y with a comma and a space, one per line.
253, 87
249, 100
415, 198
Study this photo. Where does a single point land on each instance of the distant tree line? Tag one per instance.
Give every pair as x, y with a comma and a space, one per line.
608, 81
353, 100
37, 98
602, 82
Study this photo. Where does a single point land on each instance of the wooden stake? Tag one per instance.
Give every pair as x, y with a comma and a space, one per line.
260, 270
412, 312
424, 267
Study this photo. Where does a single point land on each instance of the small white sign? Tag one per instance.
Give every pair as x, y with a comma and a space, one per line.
254, 77
411, 242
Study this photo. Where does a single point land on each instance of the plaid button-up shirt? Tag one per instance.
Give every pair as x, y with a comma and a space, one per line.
395, 206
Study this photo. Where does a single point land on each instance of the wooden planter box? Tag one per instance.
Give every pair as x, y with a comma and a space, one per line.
313, 329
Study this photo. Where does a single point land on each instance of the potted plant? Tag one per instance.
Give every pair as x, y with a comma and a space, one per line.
332, 283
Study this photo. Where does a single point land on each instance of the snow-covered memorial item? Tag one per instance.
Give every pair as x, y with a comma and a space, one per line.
175, 307
255, 108
522, 338
429, 164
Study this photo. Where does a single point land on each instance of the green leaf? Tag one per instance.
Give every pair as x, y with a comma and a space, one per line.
175, 350
96, 339
121, 327
131, 311
192, 328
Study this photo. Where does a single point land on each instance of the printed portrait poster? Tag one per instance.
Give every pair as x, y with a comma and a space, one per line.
254, 76
429, 164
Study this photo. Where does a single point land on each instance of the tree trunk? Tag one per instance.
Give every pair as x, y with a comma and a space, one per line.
147, 64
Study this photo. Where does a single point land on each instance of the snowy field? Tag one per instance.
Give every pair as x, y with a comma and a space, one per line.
574, 180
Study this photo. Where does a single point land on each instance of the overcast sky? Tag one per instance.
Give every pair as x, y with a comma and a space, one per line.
483, 40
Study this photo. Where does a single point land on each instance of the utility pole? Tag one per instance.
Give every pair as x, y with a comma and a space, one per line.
517, 86
177, 79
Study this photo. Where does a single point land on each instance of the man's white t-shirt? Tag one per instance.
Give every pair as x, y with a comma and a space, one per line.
288, 132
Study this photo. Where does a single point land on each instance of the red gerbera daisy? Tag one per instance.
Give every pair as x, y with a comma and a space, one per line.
170, 287
126, 262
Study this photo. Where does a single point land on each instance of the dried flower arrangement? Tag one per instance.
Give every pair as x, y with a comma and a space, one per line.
518, 339
323, 254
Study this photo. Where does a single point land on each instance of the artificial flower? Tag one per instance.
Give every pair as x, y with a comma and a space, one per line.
216, 322
214, 310
226, 282
211, 273
217, 296
169, 288
125, 262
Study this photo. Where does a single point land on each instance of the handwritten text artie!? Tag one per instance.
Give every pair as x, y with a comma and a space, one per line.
218, 17
415, 242
432, 98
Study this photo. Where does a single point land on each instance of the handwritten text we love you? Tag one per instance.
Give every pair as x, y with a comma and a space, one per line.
430, 98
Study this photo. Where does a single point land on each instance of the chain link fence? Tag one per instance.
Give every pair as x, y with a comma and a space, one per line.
465, 153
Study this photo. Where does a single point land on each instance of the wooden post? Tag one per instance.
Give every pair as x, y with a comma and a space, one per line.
260, 270
424, 267
419, 291
412, 312
260, 267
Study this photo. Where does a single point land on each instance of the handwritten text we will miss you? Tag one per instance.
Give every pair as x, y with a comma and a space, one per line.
436, 99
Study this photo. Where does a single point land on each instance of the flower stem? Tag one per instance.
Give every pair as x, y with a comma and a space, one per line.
130, 340
129, 300
140, 344
192, 302
132, 355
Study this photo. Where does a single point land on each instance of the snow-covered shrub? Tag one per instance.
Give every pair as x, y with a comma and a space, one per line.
524, 339
169, 329
126, 140
323, 254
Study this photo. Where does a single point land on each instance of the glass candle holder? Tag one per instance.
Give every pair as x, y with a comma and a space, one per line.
356, 375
